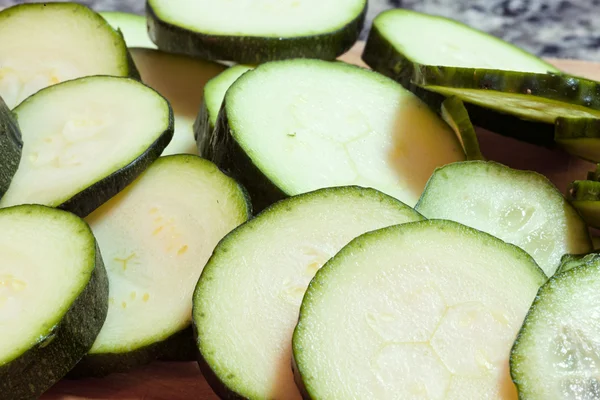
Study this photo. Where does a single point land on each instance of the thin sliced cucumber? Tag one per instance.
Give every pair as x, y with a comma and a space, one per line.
326, 124
579, 136
133, 27
156, 236
53, 297
85, 140
247, 301
556, 355
252, 32
10, 146
519, 207
214, 93
180, 79
42, 44
421, 310
585, 197
570, 261
456, 115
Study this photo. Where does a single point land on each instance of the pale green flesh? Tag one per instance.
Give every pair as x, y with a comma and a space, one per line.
423, 310
521, 105
215, 90
262, 18
155, 238
248, 299
328, 124
518, 207
582, 147
133, 27
79, 132
45, 44
442, 41
38, 287
589, 211
557, 355
181, 81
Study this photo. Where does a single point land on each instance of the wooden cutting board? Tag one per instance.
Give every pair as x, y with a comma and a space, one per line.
172, 381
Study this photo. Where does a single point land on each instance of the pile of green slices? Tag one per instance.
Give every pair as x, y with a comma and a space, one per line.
209, 183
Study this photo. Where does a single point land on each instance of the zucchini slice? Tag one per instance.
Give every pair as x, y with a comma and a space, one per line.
133, 27
326, 124
579, 137
585, 197
214, 94
520, 207
244, 335
555, 356
43, 44
421, 310
85, 140
180, 79
53, 301
455, 114
570, 261
10, 146
156, 236
254, 32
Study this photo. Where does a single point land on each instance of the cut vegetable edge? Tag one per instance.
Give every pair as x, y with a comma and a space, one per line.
455, 114
94, 192
132, 26
333, 210
124, 347
10, 146
579, 137
585, 197
252, 49
61, 347
330, 279
571, 261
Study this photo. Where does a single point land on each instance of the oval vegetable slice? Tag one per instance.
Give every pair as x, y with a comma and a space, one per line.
421, 310
247, 300
519, 207
180, 79
53, 297
85, 140
10, 146
326, 124
133, 27
256, 31
156, 236
43, 44
556, 353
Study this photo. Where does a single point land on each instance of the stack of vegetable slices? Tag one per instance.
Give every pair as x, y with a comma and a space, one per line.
389, 256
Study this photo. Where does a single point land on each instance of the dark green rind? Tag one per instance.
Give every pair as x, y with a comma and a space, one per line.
221, 148
202, 125
10, 146
298, 380
134, 73
457, 117
570, 261
585, 197
577, 136
252, 49
51, 359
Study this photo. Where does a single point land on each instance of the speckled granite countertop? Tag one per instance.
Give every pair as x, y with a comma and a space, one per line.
550, 28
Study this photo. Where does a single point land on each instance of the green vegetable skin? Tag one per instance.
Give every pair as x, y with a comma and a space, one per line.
174, 31
585, 197
456, 115
68, 322
579, 136
10, 146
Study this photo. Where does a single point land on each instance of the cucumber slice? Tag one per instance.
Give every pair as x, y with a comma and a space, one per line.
53, 300
180, 79
326, 124
571, 261
156, 237
43, 44
556, 353
10, 146
585, 197
455, 114
579, 137
253, 32
85, 140
247, 300
421, 310
519, 207
133, 27
214, 94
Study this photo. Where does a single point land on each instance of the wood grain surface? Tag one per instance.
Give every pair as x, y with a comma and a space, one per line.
172, 381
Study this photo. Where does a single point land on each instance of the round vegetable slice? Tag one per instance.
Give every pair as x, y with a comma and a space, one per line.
247, 301
519, 207
256, 31
43, 44
326, 124
156, 237
555, 356
133, 27
10, 146
85, 140
180, 79
421, 310
53, 297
